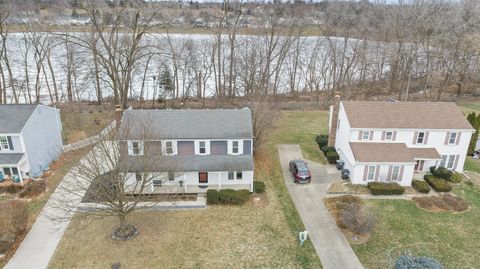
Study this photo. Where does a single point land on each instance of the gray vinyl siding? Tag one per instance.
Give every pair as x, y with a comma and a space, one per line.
42, 138
247, 147
218, 148
186, 148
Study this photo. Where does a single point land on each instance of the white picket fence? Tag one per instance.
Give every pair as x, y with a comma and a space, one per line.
90, 140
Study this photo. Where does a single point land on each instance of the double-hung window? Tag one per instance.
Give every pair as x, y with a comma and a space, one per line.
443, 162
202, 147
4, 143
452, 139
138, 177
395, 173
135, 148
371, 172
239, 175
451, 161
171, 176
366, 135
235, 147
389, 135
421, 138
169, 147
231, 175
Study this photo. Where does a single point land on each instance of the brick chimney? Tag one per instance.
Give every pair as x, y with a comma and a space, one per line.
333, 120
118, 116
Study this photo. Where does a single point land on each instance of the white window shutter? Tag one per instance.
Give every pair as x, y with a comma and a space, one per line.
140, 146
130, 147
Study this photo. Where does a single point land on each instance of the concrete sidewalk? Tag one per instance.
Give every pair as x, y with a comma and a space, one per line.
41, 241
330, 244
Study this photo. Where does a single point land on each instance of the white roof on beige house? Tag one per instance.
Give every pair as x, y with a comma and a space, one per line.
405, 115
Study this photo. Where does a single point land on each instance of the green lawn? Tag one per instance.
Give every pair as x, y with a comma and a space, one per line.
472, 165
301, 127
402, 228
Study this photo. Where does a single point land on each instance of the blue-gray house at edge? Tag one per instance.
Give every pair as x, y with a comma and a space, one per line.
30, 139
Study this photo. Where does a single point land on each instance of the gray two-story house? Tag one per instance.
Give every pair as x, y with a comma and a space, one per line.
192, 150
30, 139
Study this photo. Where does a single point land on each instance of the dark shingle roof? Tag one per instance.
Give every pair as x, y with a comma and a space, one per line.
10, 158
186, 124
407, 115
14, 117
191, 163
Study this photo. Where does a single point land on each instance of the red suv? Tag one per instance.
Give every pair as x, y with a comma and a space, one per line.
300, 171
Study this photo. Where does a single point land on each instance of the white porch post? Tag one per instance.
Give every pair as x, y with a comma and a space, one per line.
219, 181
185, 181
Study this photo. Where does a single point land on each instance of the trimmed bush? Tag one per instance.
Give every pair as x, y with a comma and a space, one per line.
382, 188
327, 149
442, 172
332, 157
258, 187
456, 177
322, 140
227, 197
410, 262
438, 184
212, 197
420, 186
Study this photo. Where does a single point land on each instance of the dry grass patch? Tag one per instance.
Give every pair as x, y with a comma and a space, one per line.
343, 187
351, 217
81, 121
217, 237
442, 203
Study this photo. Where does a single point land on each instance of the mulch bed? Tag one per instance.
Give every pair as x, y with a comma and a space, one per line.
442, 203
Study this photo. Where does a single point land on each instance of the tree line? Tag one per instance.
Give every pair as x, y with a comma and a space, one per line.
415, 49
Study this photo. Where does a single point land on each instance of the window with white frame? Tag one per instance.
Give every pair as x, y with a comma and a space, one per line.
452, 139
395, 173
171, 176
138, 177
451, 161
231, 175
371, 172
239, 175
366, 135
443, 162
169, 147
4, 143
135, 148
235, 147
202, 147
421, 137
389, 135
157, 182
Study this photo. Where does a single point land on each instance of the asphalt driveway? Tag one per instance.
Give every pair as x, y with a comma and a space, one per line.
331, 245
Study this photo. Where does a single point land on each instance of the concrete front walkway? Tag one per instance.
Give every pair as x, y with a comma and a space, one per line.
41, 241
331, 245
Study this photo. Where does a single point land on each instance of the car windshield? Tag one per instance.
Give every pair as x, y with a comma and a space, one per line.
303, 172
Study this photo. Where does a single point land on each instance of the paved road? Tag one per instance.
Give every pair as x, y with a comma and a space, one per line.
331, 245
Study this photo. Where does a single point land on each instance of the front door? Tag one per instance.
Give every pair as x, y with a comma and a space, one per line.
419, 165
202, 177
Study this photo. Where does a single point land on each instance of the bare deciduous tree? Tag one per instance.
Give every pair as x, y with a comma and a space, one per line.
113, 182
